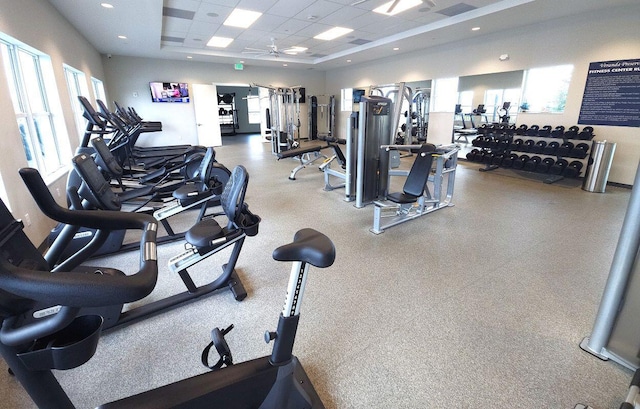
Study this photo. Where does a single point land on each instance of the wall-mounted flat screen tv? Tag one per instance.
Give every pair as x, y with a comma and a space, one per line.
169, 91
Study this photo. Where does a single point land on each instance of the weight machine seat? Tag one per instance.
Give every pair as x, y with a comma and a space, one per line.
417, 178
309, 246
300, 151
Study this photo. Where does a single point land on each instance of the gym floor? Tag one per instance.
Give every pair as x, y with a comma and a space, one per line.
482, 304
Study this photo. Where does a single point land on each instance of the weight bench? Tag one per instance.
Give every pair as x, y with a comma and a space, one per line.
416, 199
325, 167
306, 156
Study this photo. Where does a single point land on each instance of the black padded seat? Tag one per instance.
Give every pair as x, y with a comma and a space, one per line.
417, 178
203, 232
309, 246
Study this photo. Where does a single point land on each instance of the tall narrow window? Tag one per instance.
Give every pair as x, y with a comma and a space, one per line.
98, 89
37, 106
77, 86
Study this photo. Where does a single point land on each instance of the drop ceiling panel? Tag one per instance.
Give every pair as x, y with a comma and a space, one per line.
228, 3
200, 28
191, 5
289, 8
291, 26
319, 9
256, 5
205, 9
175, 24
343, 16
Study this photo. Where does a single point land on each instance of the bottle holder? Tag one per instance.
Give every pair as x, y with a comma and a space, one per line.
249, 222
66, 349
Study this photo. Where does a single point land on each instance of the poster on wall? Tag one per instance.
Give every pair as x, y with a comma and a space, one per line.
612, 94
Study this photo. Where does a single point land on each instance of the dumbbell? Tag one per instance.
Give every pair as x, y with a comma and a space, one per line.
516, 145
497, 159
528, 145
488, 158
539, 147
551, 148
545, 131
522, 129
565, 149
533, 130
532, 163
558, 167
558, 132
520, 162
571, 133
471, 156
586, 133
580, 151
573, 169
545, 165
507, 162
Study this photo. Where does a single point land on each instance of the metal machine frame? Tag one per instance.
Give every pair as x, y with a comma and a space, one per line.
445, 168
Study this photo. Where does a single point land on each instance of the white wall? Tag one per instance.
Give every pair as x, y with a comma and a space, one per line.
578, 40
38, 24
129, 75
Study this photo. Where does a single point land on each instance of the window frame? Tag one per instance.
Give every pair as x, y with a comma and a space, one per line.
38, 112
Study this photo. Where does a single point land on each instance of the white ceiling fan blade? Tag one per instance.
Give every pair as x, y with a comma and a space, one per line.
393, 6
355, 3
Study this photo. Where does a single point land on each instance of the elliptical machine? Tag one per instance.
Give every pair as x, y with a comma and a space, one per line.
57, 338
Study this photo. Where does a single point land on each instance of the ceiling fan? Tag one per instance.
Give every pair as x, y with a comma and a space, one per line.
272, 49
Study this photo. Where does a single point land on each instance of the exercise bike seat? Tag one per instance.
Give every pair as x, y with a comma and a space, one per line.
309, 246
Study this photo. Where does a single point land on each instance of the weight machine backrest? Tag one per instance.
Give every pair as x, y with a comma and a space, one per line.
419, 173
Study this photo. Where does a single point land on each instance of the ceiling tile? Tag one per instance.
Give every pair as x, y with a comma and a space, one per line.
319, 9
288, 8
175, 24
291, 26
191, 5
202, 28
342, 16
228, 3
257, 5
268, 22
207, 12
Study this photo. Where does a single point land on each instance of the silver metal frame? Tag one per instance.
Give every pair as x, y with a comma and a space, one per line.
446, 162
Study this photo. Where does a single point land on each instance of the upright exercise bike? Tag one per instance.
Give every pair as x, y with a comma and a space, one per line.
60, 339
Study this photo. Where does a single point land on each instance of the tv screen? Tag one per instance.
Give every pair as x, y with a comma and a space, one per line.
169, 91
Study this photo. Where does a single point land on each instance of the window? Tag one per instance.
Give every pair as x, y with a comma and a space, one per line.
445, 94
3, 193
253, 107
37, 106
98, 90
77, 86
546, 89
465, 99
495, 98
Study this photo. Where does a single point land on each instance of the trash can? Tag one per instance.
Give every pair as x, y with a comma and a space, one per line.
597, 173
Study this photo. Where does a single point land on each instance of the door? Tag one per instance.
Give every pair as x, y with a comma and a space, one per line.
205, 104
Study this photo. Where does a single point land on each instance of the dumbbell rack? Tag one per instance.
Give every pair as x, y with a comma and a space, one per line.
556, 152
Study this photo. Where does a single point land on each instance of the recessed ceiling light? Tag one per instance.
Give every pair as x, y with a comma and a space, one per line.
122, 37
197, 39
295, 50
396, 48
241, 18
312, 18
333, 33
348, 60
475, 29
220, 42
107, 5
400, 6
212, 14
285, 65
189, 57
